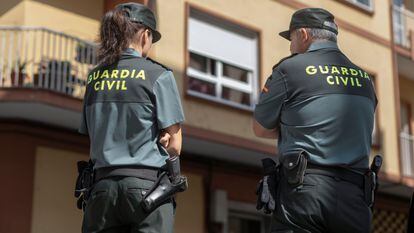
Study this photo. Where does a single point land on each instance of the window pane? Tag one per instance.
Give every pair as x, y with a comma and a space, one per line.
198, 62
242, 225
235, 72
212, 67
203, 64
201, 86
235, 96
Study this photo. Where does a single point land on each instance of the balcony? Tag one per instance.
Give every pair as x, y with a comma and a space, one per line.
403, 24
407, 154
43, 74
40, 58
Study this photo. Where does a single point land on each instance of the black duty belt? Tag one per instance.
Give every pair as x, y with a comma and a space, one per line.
337, 173
139, 172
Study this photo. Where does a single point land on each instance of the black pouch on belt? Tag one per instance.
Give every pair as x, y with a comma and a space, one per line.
294, 166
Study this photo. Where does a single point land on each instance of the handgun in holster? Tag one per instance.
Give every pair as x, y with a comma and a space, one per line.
371, 180
84, 182
167, 185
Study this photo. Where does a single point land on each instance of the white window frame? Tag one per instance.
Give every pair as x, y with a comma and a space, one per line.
220, 81
363, 6
251, 87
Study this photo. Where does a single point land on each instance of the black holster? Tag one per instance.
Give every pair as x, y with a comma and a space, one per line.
167, 185
371, 181
84, 182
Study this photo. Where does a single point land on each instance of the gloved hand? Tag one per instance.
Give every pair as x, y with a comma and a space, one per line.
266, 192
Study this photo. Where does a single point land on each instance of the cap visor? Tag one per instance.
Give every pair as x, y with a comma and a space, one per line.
156, 36
285, 34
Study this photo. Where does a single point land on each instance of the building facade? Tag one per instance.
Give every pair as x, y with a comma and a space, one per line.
222, 53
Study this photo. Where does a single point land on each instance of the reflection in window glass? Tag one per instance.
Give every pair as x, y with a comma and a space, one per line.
235, 73
235, 96
198, 62
203, 64
244, 225
201, 86
212, 67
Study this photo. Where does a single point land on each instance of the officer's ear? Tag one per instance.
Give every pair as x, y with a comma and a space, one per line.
303, 35
148, 35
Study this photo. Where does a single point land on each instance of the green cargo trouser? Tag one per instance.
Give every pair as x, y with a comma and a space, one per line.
322, 204
114, 205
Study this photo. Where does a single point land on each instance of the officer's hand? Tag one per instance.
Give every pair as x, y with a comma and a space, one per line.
164, 139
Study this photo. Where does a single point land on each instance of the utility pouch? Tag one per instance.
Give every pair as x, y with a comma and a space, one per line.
294, 167
369, 187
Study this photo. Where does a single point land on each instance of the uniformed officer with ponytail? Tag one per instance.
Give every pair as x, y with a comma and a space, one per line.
131, 102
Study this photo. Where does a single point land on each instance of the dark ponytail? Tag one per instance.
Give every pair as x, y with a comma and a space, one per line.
116, 34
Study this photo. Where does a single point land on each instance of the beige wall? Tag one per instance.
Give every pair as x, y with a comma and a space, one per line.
12, 12
378, 23
54, 207
190, 215
77, 18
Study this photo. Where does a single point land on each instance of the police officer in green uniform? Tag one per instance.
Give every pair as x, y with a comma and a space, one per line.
320, 106
131, 103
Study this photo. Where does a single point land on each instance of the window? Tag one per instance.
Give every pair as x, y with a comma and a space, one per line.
365, 4
222, 63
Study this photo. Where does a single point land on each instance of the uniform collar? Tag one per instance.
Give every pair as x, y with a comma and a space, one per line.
131, 52
322, 45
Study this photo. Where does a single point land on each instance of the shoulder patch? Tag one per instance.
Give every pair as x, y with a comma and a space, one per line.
283, 59
160, 64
